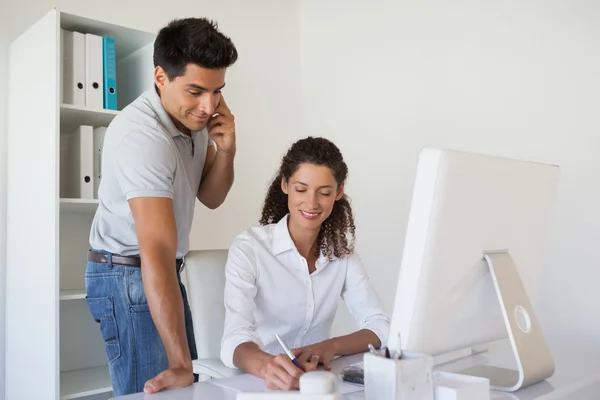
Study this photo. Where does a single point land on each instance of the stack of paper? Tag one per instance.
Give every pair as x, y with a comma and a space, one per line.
250, 383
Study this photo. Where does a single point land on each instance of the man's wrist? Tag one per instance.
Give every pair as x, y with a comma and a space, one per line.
186, 367
184, 363
229, 153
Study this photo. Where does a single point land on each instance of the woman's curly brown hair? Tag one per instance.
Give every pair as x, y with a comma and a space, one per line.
337, 233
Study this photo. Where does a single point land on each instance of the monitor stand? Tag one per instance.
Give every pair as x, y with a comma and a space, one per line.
534, 361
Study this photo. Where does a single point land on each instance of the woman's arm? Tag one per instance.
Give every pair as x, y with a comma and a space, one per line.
326, 350
239, 296
251, 359
364, 304
356, 342
278, 371
241, 346
367, 309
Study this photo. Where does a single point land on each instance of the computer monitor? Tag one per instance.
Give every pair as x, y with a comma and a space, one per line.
472, 260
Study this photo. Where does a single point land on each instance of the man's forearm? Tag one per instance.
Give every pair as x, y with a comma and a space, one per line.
218, 181
166, 306
250, 359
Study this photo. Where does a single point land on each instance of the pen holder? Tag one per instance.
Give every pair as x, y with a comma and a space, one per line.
409, 378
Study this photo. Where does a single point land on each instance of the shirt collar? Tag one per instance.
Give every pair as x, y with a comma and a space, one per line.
282, 242
162, 114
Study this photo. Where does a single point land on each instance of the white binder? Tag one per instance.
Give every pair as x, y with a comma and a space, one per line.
81, 165
99, 134
73, 68
94, 93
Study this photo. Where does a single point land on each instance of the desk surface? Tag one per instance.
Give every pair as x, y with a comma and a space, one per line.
577, 376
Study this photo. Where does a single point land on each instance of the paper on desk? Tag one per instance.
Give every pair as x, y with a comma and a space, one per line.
250, 383
242, 383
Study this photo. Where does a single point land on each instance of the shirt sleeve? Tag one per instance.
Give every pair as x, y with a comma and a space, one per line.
240, 292
363, 302
145, 163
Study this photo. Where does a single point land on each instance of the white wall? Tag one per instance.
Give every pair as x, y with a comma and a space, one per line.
3, 177
511, 78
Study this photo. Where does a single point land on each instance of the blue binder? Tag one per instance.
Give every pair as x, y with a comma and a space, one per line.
110, 73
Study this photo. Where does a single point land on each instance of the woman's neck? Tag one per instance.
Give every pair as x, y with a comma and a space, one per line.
304, 239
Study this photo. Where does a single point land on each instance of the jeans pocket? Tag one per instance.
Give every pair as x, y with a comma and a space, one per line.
103, 312
135, 291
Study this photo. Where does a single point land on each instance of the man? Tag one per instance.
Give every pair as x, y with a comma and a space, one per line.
158, 156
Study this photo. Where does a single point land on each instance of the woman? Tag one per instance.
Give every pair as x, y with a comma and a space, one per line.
286, 277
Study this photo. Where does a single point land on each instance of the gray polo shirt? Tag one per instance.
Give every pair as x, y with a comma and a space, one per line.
145, 155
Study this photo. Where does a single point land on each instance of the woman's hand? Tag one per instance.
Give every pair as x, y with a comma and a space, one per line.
282, 374
322, 352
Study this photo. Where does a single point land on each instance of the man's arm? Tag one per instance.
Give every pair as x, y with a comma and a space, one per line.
217, 175
155, 226
217, 178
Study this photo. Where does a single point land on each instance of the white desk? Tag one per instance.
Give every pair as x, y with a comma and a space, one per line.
577, 377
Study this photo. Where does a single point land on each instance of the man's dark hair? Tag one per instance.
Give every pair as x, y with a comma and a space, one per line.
192, 41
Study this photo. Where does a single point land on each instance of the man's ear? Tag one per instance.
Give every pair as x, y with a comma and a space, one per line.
340, 192
160, 77
284, 187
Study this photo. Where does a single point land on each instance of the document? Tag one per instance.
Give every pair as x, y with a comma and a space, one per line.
250, 383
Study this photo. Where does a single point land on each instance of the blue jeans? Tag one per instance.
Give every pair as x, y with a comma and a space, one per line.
134, 349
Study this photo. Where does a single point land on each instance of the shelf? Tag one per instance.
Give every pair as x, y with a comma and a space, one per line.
84, 382
79, 205
72, 116
127, 40
72, 294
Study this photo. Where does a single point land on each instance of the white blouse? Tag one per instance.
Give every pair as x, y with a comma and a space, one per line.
268, 290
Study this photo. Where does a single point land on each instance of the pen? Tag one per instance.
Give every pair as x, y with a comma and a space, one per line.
372, 350
397, 355
288, 352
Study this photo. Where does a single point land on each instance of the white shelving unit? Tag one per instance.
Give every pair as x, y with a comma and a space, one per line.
72, 116
84, 382
72, 294
48, 321
78, 205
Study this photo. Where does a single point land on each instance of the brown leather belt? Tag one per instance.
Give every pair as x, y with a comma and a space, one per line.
129, 261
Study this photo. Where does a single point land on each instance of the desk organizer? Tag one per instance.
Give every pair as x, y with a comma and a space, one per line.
450, 386
409, 378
